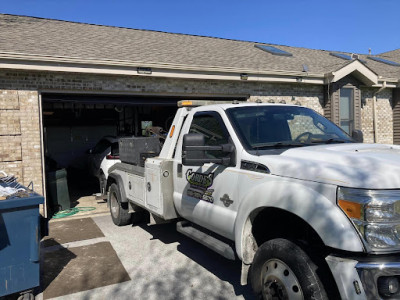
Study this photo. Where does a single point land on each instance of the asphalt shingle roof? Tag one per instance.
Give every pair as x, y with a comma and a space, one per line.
391, 55
47, 37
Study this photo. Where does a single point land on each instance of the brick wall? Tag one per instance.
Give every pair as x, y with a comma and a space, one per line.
16, 80
313, 102
384, 116
20, 152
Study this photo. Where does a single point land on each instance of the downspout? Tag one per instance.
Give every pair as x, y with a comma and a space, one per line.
374, 116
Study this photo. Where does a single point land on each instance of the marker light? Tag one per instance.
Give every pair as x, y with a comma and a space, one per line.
352, 210
185, 103
192, 103
172, 131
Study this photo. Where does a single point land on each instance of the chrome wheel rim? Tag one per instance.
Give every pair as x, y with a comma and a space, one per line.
279, 282
114, 206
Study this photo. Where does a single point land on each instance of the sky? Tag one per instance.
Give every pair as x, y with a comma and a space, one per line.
353, 26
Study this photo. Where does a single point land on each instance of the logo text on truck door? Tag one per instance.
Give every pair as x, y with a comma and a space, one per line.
199, 185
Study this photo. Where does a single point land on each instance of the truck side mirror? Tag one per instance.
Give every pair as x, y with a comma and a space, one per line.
194, 151
193, 157
358, 136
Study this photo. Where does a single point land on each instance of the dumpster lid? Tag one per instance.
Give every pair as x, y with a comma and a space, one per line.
21, 202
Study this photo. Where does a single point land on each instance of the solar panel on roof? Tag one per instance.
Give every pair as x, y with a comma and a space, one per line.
273, 50
385, 61
341, 55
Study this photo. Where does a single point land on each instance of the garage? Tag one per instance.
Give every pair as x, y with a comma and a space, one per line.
80, 140
79, 132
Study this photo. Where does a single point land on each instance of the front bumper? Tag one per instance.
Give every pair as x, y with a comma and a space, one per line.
370, 272
358, 279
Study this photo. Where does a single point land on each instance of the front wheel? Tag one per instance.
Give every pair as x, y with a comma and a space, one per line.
282, 270
119, 211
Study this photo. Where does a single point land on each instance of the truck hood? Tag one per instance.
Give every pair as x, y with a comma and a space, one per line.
371, 166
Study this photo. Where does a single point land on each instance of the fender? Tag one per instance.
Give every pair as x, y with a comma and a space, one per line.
325, 217
120, 183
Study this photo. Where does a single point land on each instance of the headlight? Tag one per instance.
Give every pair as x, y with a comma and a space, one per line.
375, 214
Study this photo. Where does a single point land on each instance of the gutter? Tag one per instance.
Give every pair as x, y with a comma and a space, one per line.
374, 116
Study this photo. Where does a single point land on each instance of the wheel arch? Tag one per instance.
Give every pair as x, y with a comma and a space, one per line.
294, 228
116, 178
289, 204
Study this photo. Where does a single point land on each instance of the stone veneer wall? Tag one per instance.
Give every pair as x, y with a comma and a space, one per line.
384, 116
20, 152
19, 106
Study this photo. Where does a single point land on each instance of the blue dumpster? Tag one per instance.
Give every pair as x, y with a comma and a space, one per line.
19, 243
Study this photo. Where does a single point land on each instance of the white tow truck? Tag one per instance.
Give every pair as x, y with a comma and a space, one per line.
311, 212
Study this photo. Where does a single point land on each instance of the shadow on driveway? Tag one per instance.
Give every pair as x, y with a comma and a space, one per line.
224, 269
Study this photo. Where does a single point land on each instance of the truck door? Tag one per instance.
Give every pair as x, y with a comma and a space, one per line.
206, 195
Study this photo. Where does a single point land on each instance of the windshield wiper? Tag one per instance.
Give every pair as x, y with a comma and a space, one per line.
278, 145
329, 141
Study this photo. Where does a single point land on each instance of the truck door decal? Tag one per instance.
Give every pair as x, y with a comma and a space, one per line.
200, 180
226, 200
199, 185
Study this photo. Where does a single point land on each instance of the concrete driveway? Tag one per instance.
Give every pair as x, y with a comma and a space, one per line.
161, 264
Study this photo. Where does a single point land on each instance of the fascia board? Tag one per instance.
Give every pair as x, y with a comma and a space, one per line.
66, 61
367, 76
162, 72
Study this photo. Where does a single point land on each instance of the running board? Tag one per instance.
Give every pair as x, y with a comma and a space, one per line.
207, 240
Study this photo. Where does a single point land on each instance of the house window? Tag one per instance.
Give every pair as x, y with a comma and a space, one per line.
346, 109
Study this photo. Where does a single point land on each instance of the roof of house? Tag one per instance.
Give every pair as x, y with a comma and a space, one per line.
53, 38
394, 55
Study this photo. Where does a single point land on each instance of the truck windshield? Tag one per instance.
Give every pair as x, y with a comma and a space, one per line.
267, 126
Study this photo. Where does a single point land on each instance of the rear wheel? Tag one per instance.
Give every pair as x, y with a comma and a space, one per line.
119, 211
282, 270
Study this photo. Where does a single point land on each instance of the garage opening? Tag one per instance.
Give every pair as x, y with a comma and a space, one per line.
81, 134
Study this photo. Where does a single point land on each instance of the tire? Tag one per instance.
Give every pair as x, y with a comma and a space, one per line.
119, 211
282, 270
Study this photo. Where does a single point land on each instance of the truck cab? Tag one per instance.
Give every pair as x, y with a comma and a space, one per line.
309, 211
